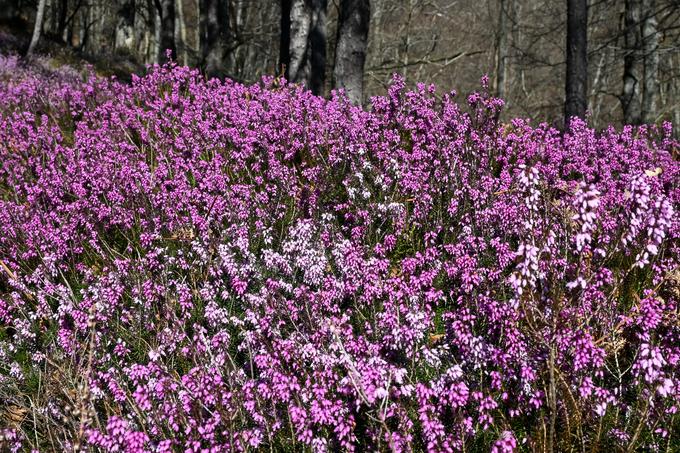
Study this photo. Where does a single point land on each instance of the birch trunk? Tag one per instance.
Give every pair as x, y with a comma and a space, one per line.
650, 43
125, 32
181, 33
304, 29
350, 50
502, 48
300, 25
157, 26
36, 27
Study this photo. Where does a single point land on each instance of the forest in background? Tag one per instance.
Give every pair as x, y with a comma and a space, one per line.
633, 57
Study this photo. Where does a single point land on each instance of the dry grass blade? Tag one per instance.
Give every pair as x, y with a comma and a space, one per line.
13, 415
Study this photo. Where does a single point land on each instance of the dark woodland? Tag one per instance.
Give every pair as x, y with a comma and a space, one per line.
615, 61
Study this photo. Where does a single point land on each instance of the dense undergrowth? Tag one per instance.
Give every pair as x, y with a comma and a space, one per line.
204, 266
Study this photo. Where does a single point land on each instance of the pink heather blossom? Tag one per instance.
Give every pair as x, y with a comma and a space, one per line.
192, 265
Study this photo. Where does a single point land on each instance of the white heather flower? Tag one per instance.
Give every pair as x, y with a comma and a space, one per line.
665, 388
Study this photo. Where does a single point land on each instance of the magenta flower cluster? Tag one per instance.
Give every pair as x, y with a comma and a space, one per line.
202, 266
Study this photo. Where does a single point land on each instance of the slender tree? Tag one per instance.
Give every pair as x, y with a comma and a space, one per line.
284, 42
300, 25
214, 35
350, 49
165, 28
577, 60
317, 45
125, 33
305, 60
63, 17
37, 27
650, 45
632, 63
502, 48
181, 33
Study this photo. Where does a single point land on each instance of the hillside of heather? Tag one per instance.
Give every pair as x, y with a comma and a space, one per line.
204, 266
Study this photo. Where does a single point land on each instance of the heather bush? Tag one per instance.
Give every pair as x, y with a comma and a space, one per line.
193, 265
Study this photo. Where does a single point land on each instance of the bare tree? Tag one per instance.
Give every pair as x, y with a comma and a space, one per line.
650, 43
632, 63
676, 112
350, 50
36, 27
215, 33
63, 17
125, 35
165, 29
577, 60
502, 48
300, 25
305, 60
633, 68
284, 37
181, 33
254, 39
317, 46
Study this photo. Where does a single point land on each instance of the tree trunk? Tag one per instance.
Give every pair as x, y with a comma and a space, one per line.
78, 27
305, 32
215, 32
36, 27
284, 43
63, 14
632, 80
197, 30
181, 33
145, 31
51, 19
350, 49
676, 112
91, 27
125, 31
166, 29
74, 31
577, 60
650, 43
502, 48
317, 42
157, 25
300, 26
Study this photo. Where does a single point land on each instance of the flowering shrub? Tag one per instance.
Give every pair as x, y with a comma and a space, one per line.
205, 266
